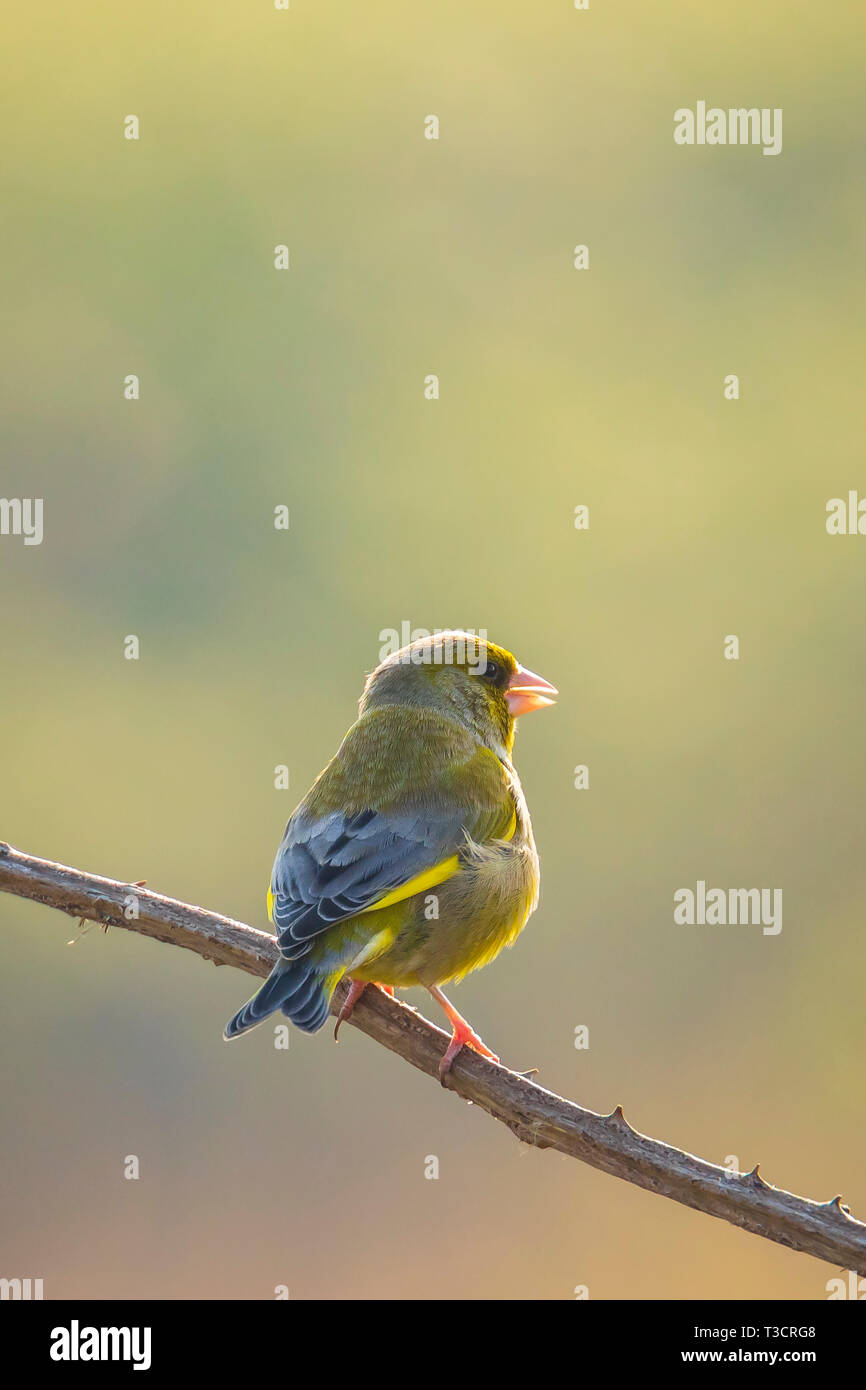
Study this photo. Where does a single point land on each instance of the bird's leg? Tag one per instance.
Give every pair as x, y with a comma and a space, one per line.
462, 1034
356, 989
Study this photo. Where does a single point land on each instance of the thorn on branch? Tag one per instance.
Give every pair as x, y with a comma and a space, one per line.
618, 1119
753, 1178
836, 1204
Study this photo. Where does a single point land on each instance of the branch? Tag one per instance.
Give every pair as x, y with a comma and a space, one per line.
826, 1230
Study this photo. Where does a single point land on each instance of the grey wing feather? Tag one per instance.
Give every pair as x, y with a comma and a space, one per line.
331, 868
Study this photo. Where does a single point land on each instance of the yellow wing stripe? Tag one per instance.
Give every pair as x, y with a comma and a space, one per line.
429, 878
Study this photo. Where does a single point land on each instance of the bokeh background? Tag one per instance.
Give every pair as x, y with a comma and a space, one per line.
558, 387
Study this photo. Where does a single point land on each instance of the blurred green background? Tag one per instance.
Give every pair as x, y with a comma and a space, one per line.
558, 387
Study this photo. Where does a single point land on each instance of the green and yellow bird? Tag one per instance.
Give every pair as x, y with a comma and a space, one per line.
411, 859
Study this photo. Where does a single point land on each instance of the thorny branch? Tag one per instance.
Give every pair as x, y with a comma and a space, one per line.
536, 1116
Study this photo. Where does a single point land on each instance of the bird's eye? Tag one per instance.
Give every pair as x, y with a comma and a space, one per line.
492, 671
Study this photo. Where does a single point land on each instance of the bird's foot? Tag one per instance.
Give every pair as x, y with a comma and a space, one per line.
463, 1036
356, 989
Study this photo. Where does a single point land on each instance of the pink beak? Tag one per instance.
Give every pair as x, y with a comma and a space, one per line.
527, 691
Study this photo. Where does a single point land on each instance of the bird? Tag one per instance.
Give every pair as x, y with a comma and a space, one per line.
411, 859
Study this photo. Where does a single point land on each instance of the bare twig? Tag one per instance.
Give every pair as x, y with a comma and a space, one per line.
826, 1230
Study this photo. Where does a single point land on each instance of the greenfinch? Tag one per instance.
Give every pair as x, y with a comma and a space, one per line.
411, 860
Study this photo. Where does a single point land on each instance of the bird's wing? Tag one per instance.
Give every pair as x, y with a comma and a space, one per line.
339, 860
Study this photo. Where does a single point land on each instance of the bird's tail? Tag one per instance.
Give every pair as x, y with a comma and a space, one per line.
296, 987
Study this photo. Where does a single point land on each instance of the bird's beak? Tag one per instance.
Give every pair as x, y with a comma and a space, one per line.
527, 691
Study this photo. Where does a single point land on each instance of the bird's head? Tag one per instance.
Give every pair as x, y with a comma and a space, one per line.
459, 674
